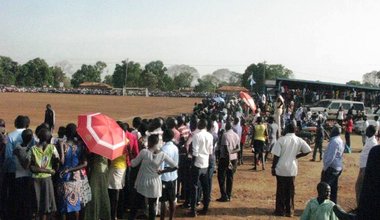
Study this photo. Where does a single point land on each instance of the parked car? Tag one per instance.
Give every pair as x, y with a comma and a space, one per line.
332, 106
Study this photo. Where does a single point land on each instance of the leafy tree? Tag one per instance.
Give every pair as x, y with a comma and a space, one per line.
150, 81
58, 75
262, 72
35, 72
108, 80
167, 83
158, 69
8, 71
88, 73
183, 80
354, 82
208, 83
133, 74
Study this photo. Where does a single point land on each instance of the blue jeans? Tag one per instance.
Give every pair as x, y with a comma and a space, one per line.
331, 177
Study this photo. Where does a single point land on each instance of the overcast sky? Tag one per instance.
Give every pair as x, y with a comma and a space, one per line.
323, 40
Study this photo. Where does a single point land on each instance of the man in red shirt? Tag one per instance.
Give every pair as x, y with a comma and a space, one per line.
349, 126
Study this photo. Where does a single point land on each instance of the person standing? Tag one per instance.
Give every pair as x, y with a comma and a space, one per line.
333, 161
286, 151
320, 134
364, 128
169, 180
24, 181
43, 159
279, 105
8, 188
370, 143
49, 117
99, 207
258, 139
148, 182
243, 139
72, 159
349, 126
202, 146
273, 135
230, 146
340, 116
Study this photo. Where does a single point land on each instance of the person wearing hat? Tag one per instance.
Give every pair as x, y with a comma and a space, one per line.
333, 161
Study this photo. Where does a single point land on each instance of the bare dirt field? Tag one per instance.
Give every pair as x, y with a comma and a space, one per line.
67, 107
254, 191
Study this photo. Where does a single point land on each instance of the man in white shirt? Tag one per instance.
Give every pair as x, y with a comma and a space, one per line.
202, 146
286, 151
370, 143
230, 146
169, 180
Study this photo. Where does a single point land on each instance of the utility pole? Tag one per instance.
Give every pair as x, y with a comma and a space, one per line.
125, 81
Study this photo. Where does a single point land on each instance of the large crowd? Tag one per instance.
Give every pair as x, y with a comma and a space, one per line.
172, 160
114, 92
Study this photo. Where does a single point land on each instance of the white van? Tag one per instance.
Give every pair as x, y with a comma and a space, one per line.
332, 106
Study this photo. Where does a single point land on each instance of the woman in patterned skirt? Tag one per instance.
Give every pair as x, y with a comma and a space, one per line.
72, 160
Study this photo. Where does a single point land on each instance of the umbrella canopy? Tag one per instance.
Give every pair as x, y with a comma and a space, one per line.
102, 135
248, 100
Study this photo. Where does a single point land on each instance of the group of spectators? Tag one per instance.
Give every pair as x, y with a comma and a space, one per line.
115, 92
169, 160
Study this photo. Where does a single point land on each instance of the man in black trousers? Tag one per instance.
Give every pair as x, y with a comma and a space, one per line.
229, 148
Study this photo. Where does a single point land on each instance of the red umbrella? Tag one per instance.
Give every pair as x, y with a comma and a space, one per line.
102, 135
248, 100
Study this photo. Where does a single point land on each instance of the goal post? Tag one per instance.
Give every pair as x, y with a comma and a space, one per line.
133, 91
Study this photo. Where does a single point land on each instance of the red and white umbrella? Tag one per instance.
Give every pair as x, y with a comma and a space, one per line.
102, 135
248, 100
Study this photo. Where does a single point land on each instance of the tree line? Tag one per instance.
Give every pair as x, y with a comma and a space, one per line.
154, 75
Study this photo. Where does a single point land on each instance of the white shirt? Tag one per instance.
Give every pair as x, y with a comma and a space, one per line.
287, 148
238, 129
369, 144
172, 151
364, 126
340, 115
215, 128
202, 148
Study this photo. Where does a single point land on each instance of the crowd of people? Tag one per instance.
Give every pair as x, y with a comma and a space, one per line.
173, 159
115, 92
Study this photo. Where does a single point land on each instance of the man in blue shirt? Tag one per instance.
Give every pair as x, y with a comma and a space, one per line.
333, 162
169, 180
8, 190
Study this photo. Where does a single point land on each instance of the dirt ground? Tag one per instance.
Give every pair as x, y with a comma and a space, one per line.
67, 107
253, 191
